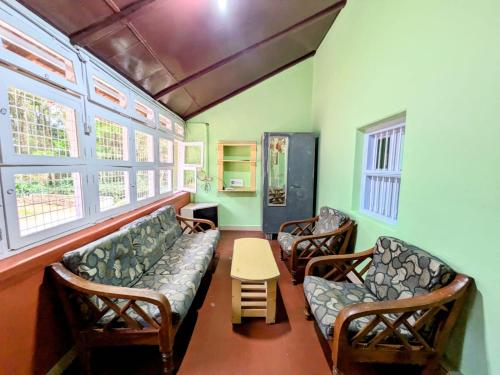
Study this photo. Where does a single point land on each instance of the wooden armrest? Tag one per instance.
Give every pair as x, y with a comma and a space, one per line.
195, 227
75, 282
297, 222
337, 259
436, 299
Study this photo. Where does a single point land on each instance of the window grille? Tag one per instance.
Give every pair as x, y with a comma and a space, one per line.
45, 200
165, 181
111, 140
113, 189
144, 151
41, 126
166, 151
382, 171
145, 183
28, 48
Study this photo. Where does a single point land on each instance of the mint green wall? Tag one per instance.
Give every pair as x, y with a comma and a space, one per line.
281, 103
440, 62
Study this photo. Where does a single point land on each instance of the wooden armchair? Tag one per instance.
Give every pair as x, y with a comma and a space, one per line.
108, 315
302, 240
411, 330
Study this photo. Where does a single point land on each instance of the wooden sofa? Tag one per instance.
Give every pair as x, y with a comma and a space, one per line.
392, 304
328, 233
135, 286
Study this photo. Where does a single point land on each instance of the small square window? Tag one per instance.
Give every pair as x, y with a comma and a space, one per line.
381, 178
109, 93
165, 181
145, 182
165, 123
166, 151
144, 150
113, 189
179, 129
144, 111
111, 140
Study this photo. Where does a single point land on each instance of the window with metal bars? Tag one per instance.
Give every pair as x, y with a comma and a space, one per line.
381, 179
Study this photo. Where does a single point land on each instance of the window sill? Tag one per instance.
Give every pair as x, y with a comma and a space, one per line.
18, 266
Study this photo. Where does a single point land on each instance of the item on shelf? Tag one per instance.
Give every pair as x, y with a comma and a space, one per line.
236, 166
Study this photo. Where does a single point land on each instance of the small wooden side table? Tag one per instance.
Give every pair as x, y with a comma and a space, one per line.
255, 277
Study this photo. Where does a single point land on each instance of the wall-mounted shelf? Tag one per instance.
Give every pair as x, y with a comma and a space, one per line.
236, 161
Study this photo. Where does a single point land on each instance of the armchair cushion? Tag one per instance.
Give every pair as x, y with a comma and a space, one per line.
109, 260
400, 270
286, 240
327, 298
329, 220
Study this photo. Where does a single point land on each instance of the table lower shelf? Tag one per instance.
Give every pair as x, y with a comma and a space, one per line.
254, 299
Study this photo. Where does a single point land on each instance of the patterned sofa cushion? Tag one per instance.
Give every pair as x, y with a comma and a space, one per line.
400, 270
109, 260
286, 241
329, 220
327, 298
148, 239
168, 221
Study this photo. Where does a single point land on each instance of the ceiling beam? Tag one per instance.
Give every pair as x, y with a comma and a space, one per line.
248, 85
84, 37
332, 8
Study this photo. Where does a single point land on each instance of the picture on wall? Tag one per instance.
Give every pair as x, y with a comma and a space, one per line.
277, 167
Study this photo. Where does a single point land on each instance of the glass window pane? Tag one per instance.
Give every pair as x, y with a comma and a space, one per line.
179, 129
110, 93
113, 189
165, 123
166, 151
111, 140
40, 126
144, 111
165, 181
45, 200
145, 184
19, 43
144, 150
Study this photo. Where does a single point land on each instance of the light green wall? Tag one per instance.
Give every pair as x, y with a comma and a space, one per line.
281, 103
440, 62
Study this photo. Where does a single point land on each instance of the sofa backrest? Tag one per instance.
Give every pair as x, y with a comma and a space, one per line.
400, 270
110, 260
168, 221
329, 220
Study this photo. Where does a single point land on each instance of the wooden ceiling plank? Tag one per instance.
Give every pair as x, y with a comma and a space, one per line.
249, 85
84, 36
332, 8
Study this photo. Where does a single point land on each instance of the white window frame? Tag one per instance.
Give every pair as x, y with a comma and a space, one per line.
168, 192
3, 229
151, 123
388, 195
182, 186
160, 127
95, 111
100, 215
179, 129
141, 128
36, 33
142, 202
27, 84
16, 241
92, 70
171, 147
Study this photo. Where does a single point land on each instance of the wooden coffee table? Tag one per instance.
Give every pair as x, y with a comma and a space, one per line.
255, 276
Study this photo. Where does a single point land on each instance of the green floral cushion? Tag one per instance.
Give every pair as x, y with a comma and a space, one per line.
168, 221
400, 270
329, 220
109, 260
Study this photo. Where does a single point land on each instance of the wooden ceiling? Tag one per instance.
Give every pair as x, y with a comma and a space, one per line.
193, 54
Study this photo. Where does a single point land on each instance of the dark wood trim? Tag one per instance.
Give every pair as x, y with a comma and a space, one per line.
300, 24
251, 84
83, 37
16, 267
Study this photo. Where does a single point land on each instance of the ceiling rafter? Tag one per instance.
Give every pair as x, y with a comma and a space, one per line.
251, 84
218, 64
84, 37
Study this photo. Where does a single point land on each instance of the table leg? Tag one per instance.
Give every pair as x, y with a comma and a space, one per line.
271, 301
236, 301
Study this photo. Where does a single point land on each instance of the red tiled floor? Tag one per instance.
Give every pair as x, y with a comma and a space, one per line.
290, 346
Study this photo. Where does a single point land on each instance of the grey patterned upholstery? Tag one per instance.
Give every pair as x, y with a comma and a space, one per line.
110, 260
329, 220
150, 253
400, 270
286, 241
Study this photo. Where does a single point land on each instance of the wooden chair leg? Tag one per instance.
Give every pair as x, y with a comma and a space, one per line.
85, 355
294, 277
307, 312
431, 368
167, 360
